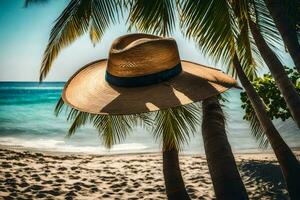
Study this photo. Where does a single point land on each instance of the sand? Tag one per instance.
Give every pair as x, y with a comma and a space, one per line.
29, 175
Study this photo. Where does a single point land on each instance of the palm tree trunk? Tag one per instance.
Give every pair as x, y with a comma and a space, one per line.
286, 29
173, 180
288, 162
221, 164
285, 86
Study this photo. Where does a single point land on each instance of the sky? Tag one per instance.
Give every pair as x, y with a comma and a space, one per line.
25, 32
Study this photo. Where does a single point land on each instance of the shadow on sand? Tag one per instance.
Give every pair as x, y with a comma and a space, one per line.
266, 177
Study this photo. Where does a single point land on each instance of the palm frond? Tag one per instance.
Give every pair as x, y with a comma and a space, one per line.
257, 131
245, 45
145, 120
76, 19
174, 125
59, 106
152, 16
79, 120
103, 14
171, 126
211, 26
112, 129
220, 28
261, 15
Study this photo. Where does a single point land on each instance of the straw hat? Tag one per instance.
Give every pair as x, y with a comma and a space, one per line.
142, 73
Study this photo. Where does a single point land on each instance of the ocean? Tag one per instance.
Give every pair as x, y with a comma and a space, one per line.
27, 121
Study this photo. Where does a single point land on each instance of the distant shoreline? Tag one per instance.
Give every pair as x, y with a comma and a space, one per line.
147, 152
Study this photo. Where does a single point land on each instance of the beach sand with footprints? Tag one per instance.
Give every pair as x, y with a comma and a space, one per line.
30, 175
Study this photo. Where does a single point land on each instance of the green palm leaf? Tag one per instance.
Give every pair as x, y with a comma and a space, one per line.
112, 129
245, 45
210, 25
79, 119
258, 132
261, 15
78, 18
174, 125
220, 29
59, 107
152, 16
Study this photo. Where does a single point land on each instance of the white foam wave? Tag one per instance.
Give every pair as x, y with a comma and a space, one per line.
62, 146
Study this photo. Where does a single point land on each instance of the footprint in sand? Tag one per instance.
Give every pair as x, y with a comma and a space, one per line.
60, 180
54, 192
77, 187
47, 182
74, 168
74, 177
36, 187
105, 195
94, 189
36, 177
116, 189
149, 189
129, 190
62, 168
68, 198
23, 184
136, 185
40, 195
6, 165
71, 194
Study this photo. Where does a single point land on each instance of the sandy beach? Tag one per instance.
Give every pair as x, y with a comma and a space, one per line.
30, 175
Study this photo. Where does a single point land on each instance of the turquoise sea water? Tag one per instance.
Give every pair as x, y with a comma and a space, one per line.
27, 121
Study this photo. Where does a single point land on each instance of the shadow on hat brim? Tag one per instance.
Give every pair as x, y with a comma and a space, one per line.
88, 91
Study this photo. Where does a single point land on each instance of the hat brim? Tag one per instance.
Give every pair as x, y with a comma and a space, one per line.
88, 91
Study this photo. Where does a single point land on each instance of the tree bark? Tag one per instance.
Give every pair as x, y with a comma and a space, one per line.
221, 163
175, 188
288, 162
286, 29
285, 86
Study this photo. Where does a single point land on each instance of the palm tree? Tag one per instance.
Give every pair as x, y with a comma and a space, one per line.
277, 70
225, 176
174, 184
286, 26
264, 25
288, 162
222, 167
246, 11
172, 126
213, 25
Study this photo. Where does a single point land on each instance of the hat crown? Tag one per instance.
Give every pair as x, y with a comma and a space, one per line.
137, 55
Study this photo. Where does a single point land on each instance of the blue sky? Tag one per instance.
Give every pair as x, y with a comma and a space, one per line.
25, 31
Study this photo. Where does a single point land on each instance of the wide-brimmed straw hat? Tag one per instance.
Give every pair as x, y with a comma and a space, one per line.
142, 73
